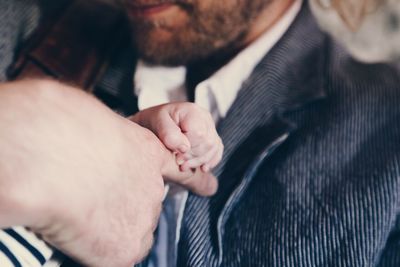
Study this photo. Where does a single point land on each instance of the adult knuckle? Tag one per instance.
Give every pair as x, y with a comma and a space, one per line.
169, 138
135, 254
145, 245
150, 142
40, 84
133, 248
45, 88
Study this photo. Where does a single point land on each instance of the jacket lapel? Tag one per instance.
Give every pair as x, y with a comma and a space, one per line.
244, 163
288, 78
256, 126
259, 118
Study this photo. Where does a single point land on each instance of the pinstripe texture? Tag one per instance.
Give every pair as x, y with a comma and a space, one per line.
310, 176
329, 193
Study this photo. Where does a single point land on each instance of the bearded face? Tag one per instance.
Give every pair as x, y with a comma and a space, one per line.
369, 29
177, 32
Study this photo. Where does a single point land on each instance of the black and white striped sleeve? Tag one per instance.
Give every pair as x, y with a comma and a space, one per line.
22, 248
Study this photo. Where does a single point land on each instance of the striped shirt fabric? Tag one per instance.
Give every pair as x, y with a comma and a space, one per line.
21, 248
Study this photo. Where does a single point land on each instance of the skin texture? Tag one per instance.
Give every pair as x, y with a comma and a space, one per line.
192, 30
87, 180
187, 130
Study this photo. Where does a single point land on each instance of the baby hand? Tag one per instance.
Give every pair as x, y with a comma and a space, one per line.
187, 130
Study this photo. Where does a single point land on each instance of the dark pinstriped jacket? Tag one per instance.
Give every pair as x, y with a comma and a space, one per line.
311, 171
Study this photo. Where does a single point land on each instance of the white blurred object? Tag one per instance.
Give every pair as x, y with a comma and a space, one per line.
370, 29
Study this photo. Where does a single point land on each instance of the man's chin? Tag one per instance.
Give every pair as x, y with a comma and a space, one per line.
162, 54
164, 61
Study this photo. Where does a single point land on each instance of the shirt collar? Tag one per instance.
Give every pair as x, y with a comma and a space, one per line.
157, 85
226, 82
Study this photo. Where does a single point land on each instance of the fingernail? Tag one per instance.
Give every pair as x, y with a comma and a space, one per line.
180, 160
205, 168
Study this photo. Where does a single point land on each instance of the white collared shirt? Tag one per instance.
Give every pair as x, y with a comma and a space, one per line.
155, 85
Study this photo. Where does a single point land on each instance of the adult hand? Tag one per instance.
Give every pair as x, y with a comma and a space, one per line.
89, 181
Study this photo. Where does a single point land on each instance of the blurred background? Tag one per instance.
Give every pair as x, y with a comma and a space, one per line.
369, 29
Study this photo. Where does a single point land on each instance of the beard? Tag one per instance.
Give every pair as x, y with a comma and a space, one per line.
205, 29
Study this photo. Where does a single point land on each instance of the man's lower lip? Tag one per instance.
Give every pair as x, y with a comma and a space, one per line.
149, 10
